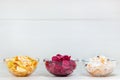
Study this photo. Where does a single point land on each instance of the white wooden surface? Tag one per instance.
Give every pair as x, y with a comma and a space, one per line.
59, 9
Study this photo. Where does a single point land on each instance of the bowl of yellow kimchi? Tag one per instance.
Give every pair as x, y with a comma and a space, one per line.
21, 66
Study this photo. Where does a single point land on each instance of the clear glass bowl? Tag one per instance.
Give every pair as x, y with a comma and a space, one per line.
60, 68
21, 66
99, 70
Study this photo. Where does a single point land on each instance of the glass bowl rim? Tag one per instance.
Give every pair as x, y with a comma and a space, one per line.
47, 59
5, 59
87, 60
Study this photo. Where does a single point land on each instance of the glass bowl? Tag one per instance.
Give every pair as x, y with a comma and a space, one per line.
97, 69
21, 66
60, 68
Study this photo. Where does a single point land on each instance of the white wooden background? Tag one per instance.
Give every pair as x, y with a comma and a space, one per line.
81, 28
